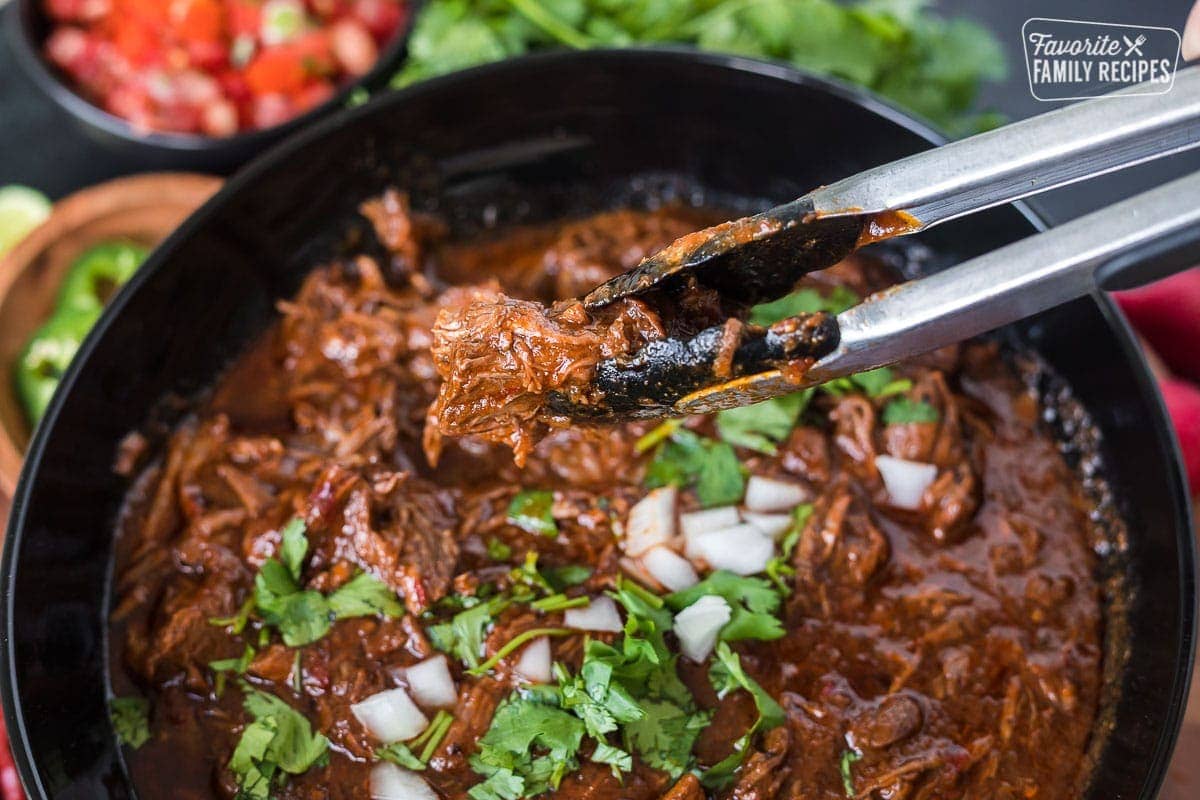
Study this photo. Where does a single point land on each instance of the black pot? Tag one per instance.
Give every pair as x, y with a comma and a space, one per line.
519, 140
28, 26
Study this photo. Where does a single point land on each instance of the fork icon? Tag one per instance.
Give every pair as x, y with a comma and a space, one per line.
1132, 47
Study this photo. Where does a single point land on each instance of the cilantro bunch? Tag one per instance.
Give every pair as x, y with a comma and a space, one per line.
627, 699
928, 64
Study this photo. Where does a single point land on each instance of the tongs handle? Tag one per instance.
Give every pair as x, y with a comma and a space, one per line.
1113, 246
1028, 157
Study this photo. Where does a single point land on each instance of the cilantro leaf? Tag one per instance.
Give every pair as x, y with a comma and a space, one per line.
302, 617
130, 719
565, 577
779, 567
279, 740
803, 301
462, 637
727, 675
754, 602
689, 459
846, 767
498, 550
903, 411
293, 546
398, 753
664, 737
532, 511
365, 596
530, 740
763, 426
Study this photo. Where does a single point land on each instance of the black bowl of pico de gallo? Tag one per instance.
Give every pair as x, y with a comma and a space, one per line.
206, 84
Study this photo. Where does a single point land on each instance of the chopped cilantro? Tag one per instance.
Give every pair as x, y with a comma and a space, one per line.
803, 301
365, 596
687, 459
875, 383
399, 753
513, 644
462, 637
528, 748
903, 411
559, 602
754, 602
763, 426
304, 616
881, 382
779, 568
293, 546
847, 769
236, 623
727, 675
565, 577
665, 736
660, 433
280, 741
498, 550
236, 665
428, 742
532, 511
130, 719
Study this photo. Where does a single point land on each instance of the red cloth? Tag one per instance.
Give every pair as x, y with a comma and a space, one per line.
1167, 316
10, 785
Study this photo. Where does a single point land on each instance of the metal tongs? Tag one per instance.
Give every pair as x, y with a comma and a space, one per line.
762, 257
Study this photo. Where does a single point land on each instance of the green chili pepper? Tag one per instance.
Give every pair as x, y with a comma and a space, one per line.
97, 274
91, 281
46, 358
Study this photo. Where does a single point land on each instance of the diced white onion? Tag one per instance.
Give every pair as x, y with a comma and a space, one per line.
711, 519
635, 569
534, 664
768, 494
390, 716
600, 615
651, 521
697, 626
742, 549
773, 525
906, 481
431, 684
392, 782
670, 569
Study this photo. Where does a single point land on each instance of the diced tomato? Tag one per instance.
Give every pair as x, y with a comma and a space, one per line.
353, 46
137, 41
271, 110
199, 20
313, 95
382, 18
201, 66
315, 51
78, 10
245, 17
276, 71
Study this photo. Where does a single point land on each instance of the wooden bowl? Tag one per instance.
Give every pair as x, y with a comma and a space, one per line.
141, 209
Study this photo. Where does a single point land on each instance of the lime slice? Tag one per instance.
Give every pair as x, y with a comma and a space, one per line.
21, 210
